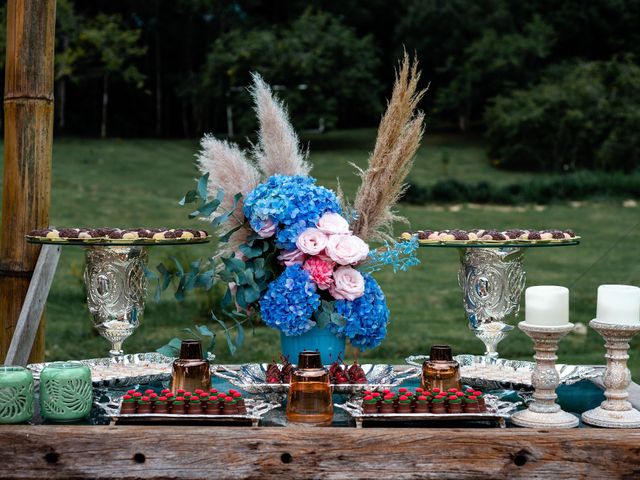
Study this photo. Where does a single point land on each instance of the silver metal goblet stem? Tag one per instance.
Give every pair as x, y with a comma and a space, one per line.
616, 411
116, 290
492, 280
544, 411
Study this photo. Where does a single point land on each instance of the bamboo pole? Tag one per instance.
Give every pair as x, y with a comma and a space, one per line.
28, 138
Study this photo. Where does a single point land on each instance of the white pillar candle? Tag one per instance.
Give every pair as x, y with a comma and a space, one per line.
618, 304
547, 305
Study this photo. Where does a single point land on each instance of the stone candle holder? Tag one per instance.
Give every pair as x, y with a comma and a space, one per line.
616, 411
544, 412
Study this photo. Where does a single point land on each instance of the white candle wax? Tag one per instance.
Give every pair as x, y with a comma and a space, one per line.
547, 305
618, 304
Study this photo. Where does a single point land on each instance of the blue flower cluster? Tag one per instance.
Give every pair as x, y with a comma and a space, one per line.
289, 302
292, 203
366, 317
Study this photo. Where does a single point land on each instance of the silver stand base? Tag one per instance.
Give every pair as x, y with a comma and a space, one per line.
530, 419
612, 418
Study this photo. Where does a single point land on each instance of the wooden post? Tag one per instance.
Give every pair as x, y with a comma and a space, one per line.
28, 138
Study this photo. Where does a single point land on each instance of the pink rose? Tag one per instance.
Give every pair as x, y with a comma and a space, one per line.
292, 257
311, 241
268, 229
347, 249
320, 272
332, 223
348, 284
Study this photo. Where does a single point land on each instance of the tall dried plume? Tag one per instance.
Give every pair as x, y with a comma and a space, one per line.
278, 150
231, 171
399, 135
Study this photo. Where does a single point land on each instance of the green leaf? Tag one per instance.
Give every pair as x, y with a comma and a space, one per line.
206, 209
227, 299
232, 347
202, 186
251, 294
240, 335
189, 197
338, 319
251, 251
179, 267
225, 238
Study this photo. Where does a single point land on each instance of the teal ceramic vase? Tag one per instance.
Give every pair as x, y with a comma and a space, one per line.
66, 393
322, 340
16, 394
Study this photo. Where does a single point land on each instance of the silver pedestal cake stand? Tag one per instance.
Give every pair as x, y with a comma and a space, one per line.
492, 279
116, 284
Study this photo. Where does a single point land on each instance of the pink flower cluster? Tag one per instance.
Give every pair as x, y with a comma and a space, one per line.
328, 252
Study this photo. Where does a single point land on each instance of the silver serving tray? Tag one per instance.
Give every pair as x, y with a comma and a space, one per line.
256, 409
251, 377
497, 412
513, 374
125, 370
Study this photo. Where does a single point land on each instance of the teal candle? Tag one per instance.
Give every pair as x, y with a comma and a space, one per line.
66, 393
16, 394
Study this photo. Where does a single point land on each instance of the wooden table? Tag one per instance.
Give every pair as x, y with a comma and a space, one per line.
50, 452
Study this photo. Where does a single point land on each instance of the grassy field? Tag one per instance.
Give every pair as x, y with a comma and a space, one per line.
138, 182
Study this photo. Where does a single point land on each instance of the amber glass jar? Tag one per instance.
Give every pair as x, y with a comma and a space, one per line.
441, 370
310, 401
190, 371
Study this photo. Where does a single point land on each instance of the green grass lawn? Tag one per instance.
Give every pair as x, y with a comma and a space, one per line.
138, 182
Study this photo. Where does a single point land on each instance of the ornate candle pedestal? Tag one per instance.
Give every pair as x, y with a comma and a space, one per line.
544, 412
615, 411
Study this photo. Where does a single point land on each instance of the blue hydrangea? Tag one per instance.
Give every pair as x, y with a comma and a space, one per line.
366, 317
289, 302
292, 203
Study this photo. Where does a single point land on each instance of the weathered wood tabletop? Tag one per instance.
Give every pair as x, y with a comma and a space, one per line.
50, 452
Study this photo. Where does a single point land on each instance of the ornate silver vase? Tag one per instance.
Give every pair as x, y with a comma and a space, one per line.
116, 291
492, 281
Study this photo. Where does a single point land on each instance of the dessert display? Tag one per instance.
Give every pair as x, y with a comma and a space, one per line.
339, 374
117, 235
434, 401
182, 402
456, 236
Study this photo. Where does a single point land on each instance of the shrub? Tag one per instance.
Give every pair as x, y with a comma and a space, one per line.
575, 186
581, 116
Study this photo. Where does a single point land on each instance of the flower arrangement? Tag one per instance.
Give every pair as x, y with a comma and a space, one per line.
292, 251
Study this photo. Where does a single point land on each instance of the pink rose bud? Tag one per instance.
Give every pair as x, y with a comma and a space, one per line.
346, 249
312, 241
348, 284
333, 223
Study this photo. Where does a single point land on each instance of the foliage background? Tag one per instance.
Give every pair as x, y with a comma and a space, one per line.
532, 121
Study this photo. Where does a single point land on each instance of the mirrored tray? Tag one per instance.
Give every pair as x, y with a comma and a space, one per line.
256, 409
497, 412
251, 377
124, 370
498, 374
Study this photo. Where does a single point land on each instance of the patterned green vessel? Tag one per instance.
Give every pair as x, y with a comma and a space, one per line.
16, 394
66, 393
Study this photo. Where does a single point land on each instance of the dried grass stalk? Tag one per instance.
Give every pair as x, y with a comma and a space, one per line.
231, 171
278, 149
399, 135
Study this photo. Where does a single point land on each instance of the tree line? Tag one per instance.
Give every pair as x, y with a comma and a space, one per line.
180, 67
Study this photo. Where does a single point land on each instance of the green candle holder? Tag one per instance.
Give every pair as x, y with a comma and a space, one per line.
66, 393
16, 394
